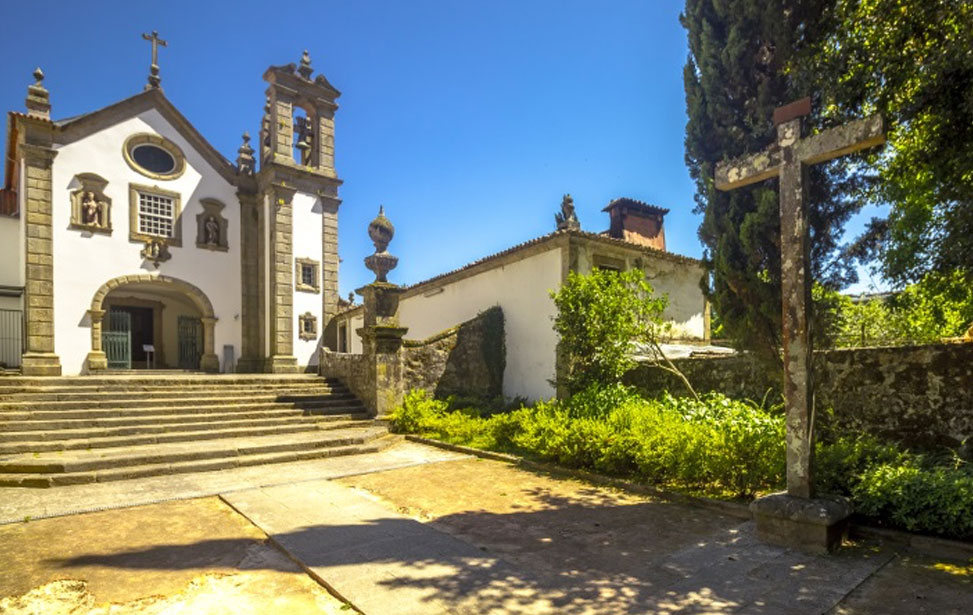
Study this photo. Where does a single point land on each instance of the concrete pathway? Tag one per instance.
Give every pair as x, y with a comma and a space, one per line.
19, 503
387, 563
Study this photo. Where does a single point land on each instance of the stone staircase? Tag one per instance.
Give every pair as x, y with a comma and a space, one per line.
73, 430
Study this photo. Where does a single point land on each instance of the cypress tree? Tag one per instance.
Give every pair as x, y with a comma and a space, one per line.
740, 68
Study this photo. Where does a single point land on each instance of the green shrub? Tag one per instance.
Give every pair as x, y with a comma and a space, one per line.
937, 500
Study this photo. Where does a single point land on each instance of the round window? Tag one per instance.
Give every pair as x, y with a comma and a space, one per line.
154, 158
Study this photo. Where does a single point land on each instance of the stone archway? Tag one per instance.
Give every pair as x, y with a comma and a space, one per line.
97, 360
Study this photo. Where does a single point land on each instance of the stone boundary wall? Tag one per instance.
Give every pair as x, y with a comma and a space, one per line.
467, 360
919, 395
350, 369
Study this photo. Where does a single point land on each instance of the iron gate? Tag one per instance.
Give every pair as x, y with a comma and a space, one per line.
190, 342
11, 337
116, 341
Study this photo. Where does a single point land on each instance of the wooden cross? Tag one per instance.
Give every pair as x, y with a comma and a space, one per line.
154, 79
789, 159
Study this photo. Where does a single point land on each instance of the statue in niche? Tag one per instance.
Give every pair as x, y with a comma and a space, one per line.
567, 219
157, 251
211, 231
91, 209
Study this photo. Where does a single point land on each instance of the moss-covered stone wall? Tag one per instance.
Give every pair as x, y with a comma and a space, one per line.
467, 360
920, 395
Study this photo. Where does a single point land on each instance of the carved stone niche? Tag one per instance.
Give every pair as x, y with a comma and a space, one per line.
211, 226
90, 208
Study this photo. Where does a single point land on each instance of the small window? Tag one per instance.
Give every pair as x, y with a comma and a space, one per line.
307, 326
307, 275
156, 215
154, 159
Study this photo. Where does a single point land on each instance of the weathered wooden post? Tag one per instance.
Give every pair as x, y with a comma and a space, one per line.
796, 517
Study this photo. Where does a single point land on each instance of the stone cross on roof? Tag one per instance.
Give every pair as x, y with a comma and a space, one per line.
154, 79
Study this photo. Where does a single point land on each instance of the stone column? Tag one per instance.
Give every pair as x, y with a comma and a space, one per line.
39, 358
282, 359
96, 358
209, 362
382, 335
252, 316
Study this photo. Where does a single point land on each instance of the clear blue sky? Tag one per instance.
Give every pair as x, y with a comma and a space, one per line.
467, 120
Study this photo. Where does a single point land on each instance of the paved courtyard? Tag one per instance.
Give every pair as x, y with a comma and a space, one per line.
417, 530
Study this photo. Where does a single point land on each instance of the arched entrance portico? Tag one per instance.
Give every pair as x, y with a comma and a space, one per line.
98, 360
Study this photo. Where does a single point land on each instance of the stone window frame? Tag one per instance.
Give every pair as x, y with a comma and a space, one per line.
600, 261
212, 207
307, 318
144, 138
133, 215
299, 264
90, 182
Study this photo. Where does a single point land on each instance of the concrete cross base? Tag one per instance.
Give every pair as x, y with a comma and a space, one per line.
814, 525
96, 361
40, 364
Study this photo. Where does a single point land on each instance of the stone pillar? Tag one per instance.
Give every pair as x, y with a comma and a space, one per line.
97, 360
325, 138
382, 347
382, 335
282, 359
39, 358
329, 270
252, 316
209, 362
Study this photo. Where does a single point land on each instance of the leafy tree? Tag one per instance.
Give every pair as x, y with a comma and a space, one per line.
911, 61
601, 318
737, 73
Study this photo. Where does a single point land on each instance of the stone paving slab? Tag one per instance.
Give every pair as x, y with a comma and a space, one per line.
18, 503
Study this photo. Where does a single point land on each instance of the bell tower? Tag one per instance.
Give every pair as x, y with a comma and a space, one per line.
297, 184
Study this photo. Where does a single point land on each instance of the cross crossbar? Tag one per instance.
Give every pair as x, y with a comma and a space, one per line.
832, 143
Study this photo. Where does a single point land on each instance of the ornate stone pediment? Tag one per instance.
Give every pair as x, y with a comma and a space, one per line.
90, 208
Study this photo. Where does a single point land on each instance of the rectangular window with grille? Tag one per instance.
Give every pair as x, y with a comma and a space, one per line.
307, 275
156, 214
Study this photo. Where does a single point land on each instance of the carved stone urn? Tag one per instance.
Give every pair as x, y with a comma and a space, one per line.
381, 232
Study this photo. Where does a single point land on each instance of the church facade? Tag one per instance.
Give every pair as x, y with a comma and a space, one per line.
128, 241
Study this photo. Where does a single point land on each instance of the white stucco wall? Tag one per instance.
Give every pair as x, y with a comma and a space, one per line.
307, 237
84, 261
11, 259
521, 290
678, 280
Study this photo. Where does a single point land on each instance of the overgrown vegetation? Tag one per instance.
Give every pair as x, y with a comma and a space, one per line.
602, 318
714, 446
926, 312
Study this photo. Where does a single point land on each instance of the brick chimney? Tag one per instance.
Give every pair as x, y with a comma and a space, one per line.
637, 222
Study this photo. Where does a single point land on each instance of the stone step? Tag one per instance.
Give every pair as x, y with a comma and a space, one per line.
197, 424
169, 453
191, 408
213, 432
178, 379
184, 467
175, 418
136, 401
96, 393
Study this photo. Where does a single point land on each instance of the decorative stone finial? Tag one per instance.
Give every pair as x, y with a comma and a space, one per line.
155, 81
381, 232
244, 159
305, 68
38, 98
567, 220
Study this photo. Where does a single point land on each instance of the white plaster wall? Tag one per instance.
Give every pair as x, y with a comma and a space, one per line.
84, 261
307, 236
11, 259
679, 281
521, 290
